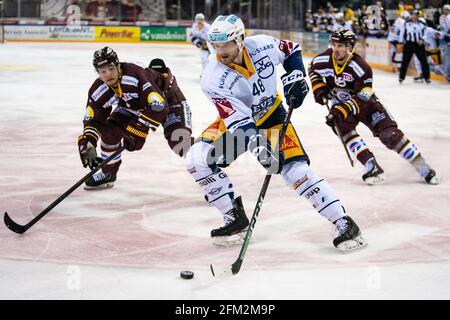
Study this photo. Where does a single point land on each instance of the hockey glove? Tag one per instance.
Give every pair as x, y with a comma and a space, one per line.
260, 147
88, 152
135, 135
336, 116
295, 86
322, 94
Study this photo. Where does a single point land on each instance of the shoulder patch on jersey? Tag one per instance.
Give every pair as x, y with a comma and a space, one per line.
128, 80
146, 86
321, 59
100, 91
358, 70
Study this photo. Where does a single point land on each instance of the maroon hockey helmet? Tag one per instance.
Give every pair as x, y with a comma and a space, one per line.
104, 57
344, 36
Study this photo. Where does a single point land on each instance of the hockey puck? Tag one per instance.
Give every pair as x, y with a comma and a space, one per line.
186, 274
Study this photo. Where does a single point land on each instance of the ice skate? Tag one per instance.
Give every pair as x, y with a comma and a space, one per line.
349, 236
418, 79
236, 222
374, 174
100, 181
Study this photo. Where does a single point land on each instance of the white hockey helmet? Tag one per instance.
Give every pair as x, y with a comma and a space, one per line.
405, 15
199, 17
227, 28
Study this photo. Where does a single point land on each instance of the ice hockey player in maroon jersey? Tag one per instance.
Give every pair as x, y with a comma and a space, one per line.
124, 103
342, 76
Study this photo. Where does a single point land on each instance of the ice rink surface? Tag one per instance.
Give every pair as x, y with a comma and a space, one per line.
131, 242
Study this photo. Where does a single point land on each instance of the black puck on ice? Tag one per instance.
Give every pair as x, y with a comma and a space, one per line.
186, 274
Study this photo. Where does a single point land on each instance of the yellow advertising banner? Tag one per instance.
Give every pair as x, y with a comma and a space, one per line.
118, 34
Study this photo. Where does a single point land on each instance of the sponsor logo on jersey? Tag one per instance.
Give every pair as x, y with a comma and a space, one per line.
288, 143
100, 91
368, 80
311, 193
260, 109
127, 96
223, 77
131, 81
224, 107
215, 191
264, 67
260, 49
206, 181
377, 117
299, 182
146, 86
347, 77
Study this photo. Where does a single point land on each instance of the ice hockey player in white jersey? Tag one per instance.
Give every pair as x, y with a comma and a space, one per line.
241, 82
199, 37
393, 38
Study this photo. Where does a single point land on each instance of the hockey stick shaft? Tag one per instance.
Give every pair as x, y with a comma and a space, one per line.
13, 226
338, 133
236, 266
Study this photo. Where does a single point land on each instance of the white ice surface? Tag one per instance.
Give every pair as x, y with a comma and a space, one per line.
131, 241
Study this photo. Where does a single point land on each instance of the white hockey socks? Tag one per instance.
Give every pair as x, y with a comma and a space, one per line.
316, 190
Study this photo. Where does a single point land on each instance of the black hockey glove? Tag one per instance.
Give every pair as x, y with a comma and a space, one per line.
88, 152
322, 94
260, 147
295, 85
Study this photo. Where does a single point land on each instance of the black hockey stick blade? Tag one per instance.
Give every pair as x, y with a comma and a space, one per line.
13, 226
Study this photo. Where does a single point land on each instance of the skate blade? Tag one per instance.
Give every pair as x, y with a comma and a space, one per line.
352, 245
108, 185
232, 240
373, 181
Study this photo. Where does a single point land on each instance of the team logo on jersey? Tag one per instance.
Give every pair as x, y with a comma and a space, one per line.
264, 67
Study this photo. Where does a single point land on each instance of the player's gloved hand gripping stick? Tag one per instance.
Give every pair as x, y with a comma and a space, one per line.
338, 132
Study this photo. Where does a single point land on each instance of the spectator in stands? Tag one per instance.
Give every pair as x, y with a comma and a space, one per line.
309, 21
349, 14
100, 10
130, 11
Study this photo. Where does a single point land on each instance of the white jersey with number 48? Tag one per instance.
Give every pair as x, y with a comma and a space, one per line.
243, 95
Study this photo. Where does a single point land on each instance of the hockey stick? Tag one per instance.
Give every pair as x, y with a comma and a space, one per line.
236, 266
17, 228
338, 133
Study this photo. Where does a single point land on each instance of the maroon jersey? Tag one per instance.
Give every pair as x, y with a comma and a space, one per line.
136, 89
351, 81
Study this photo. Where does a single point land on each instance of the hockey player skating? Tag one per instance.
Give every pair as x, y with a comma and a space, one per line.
125, 102
241, 83
342, 76
199, 36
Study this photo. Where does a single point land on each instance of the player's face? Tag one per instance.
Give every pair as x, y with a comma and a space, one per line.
109, 74
227, 51
340, 51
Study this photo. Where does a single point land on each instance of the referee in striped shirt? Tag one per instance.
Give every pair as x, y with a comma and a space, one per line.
412, 34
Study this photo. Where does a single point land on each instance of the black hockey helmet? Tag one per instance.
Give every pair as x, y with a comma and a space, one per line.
104, 57
158, 65
344, 36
